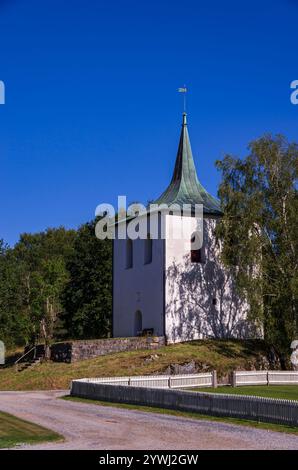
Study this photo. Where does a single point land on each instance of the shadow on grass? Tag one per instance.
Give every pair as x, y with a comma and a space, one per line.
14, 431
234, 348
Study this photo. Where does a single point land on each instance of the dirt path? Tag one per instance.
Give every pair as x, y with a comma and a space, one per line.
88, 426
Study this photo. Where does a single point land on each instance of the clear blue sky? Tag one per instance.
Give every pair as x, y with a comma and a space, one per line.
92, 109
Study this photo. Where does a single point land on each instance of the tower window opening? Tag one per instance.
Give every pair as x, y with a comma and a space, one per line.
196, 254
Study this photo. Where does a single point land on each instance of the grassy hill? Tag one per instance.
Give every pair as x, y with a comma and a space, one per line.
222, 355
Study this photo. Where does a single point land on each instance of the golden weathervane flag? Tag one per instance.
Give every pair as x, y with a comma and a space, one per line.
182, 90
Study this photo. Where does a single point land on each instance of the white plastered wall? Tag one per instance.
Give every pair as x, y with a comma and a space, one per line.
200, 298
140, 288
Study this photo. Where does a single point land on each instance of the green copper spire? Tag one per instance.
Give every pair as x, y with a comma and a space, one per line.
185, 187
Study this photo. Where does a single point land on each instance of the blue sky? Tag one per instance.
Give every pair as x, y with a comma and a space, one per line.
92, 108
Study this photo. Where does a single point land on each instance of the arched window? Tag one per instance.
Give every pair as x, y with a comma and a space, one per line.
148, 250
138, 324
129, 254
196, 254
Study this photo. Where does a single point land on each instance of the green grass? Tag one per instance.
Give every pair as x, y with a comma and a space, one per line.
14, 431
286, 392
189, 414
222, 355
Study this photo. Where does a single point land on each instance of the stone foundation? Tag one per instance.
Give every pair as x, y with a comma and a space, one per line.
73, 351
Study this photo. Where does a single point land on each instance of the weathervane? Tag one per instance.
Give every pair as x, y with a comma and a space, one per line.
184, 91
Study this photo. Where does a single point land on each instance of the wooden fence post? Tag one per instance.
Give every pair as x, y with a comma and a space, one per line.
214, 379
234, 383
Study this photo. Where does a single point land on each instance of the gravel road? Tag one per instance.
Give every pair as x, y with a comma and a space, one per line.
90, 426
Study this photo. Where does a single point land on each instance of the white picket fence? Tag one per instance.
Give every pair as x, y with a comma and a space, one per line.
217, 404
265, 377
207, 379
282, 377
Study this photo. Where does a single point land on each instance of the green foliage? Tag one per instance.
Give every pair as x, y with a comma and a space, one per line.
55, 284
87, 297
33, 276
259, 232
14, 326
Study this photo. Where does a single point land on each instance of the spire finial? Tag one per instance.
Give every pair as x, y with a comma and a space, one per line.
185, 187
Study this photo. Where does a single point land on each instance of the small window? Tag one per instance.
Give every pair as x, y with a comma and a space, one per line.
214, 301
148, 250
129, 254
196, 254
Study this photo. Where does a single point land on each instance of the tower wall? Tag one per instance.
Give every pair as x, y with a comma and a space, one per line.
138, 289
